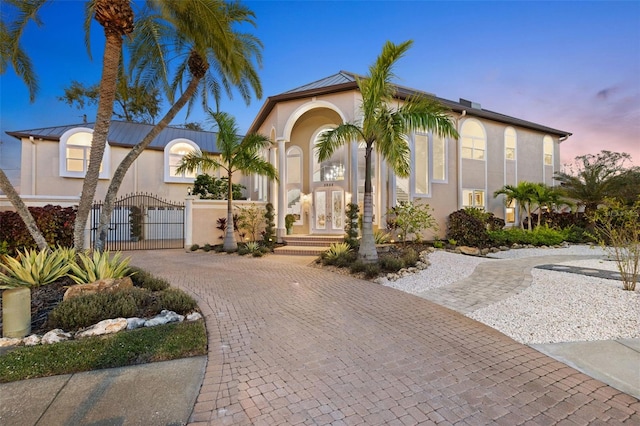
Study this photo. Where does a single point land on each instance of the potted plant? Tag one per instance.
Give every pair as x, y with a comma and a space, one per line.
288, 223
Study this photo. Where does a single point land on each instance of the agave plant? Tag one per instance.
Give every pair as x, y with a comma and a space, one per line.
381, 237
94, 266
337, 250
33, 268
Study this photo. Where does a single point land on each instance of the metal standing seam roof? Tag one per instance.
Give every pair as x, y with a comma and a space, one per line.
344, 81
126, 134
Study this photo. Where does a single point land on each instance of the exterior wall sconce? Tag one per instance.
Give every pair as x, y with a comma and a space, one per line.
188, 190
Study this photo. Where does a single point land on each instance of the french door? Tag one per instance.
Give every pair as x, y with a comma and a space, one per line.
328, 206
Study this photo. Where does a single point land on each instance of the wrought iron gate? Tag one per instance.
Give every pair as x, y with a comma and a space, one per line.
142, 222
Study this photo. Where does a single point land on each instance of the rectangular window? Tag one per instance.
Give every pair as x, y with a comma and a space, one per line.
473, 148
510, 148
510, 212
439, 159
472, 198
421, 164
548, 151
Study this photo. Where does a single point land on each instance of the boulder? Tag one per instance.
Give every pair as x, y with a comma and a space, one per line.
9, 341
133, 323
106, 284
55, 336
470, 251
108, 326
31, 340
194, 316
164, 317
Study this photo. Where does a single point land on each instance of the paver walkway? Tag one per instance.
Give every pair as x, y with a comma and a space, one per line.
492, 282
289, 344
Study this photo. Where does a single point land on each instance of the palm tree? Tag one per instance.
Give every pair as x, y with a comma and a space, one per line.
546, 197
523, 194
384, 129
236, 155
215, 58
593, 178
116, 17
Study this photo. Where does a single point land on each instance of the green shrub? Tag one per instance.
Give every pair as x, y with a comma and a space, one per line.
144, 279
371, 270
206, 247
411, 219
336, 250
83, 311
381, 237
176, 300
438, 244
545, 236
269, 234
467, 229
352, 228
91, 267
410, 257
33, 268
390, 263
251, 247
194, 247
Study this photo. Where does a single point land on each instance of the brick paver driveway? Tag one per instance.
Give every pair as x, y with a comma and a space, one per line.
290, 344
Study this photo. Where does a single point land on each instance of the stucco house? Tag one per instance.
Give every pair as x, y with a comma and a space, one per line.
493, 150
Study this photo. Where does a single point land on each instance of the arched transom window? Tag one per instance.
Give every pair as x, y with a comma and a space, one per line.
474, 140
173, 154
75, 151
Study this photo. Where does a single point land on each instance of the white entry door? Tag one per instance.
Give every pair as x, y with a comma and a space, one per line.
328, 210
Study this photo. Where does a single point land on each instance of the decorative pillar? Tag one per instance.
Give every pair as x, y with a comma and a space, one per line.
282, 186
188, 222
354, 172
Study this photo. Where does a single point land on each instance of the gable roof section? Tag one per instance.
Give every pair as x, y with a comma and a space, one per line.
345, 81
126, 134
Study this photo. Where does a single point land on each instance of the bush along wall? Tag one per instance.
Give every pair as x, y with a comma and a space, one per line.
55, 223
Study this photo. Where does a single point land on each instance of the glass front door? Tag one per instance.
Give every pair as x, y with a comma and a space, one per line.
328, 210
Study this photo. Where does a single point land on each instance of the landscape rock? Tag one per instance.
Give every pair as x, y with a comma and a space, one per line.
31, 340
470, 251
484, 251
107, 284
9, 341
194, 316
133, 323
54, 336
164, 317
108, 326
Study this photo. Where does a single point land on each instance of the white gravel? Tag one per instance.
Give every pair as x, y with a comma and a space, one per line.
557, 307
446, 268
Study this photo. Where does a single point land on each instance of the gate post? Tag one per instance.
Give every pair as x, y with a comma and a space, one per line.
188, 222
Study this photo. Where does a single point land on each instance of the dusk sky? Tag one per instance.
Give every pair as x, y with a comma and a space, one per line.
573, 66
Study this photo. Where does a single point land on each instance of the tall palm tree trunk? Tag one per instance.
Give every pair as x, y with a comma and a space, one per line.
112, 51
367, 252
23, 211
229, 244
127, 161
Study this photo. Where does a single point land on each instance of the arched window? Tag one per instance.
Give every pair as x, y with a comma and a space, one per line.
294, 182
75, 151
510, 143
331, 170
173, 154
474, 140
548, 150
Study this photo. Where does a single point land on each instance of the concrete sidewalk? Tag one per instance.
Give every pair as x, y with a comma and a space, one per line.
161, 393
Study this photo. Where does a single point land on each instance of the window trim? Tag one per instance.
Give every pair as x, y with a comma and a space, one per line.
293, 152
62, 150
445, 143
515, 144
473, 148
474, 191
413, 177
547, 141
166, 166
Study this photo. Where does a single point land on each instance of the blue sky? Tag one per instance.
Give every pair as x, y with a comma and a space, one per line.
574, 66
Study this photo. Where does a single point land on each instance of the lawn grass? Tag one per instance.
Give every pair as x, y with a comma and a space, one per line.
152, 344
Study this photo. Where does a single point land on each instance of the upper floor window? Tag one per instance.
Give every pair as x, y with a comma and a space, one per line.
173, 154
510, 143
75, 152
439, 159
548, 150
331, 170
473, 139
